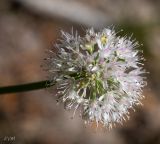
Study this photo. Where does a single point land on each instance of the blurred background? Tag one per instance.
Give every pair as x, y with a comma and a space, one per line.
29, 27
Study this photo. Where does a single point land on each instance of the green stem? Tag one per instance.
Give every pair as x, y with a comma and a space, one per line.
31, 86
25, 87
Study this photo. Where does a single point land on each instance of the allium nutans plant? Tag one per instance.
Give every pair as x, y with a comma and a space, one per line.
101, 74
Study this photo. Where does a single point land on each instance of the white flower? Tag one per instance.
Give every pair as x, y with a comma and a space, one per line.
99, 73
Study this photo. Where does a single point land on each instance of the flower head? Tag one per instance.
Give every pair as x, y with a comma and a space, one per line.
99, 73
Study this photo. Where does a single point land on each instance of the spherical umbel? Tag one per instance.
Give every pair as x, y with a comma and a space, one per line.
100, 73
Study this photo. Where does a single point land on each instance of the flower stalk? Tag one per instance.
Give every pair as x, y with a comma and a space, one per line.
25, 87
